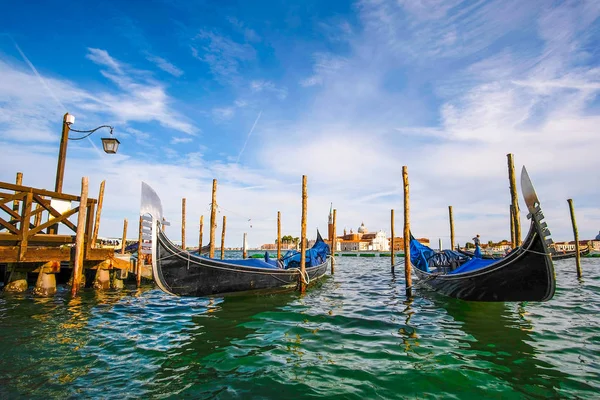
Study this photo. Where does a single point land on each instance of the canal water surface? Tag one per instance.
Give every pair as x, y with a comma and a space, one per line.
354, 336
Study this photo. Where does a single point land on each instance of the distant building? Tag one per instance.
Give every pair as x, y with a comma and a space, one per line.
399, 243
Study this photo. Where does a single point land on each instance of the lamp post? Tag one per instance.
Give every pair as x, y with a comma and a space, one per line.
109, 144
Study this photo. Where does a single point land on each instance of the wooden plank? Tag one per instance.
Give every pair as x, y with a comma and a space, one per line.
24, 231
54, 221
40, 238
89, 227
9, 254
13, 197
43, 192
98, 214
7, 225
79, 244
58, 217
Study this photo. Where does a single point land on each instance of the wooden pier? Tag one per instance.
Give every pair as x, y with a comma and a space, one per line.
30, 242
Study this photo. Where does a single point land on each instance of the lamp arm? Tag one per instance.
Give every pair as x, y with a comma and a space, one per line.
90, 131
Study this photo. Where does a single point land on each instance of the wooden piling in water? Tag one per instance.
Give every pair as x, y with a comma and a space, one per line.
303, 237
392, 254
213, 219
79, 236
98, 214
124, 241
333, 246
278, 235
183, 223
576, 234
140, 260
451, 217
201, 229
514, 198
244, 250
223, 237
15, 207
512, 227
407, 264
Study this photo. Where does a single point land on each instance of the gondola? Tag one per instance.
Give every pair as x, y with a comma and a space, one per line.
182, 273
570, 254
525, 274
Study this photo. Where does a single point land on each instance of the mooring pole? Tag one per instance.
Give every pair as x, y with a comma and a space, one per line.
140, 260
200, 238
244, 250
440, 243
451, 217
407, 264
62, 155
124, 241
512, 227
213, 220
514, 198
183, 224
576, 234
98, 214
223, 237
278, 235
392, 255
79, 236
303, 237
333, 245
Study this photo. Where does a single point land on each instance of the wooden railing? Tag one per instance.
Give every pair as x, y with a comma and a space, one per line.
21, 225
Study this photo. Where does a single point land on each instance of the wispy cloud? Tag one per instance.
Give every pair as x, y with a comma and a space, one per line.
165, 65
224, 56
223, 113
326, 64
178, 140
258, 86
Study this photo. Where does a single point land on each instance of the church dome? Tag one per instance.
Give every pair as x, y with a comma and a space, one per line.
598, 237
362, 228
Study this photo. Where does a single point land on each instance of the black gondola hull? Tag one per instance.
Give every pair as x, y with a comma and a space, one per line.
184, 274
527, 274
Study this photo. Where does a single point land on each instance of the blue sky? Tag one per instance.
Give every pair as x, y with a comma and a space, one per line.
256, 94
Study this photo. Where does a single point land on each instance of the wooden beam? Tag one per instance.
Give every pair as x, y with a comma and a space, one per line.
392, 255
576, 235
213, 219
124, 241
24, 231
303, 236
183, 223
278, 235
98, 214
79, 244
43, 192
140, 258
451, 218
223, 237
8, 226
333, 242
61, 218
407, 263
200, 236
514, 198
58, 217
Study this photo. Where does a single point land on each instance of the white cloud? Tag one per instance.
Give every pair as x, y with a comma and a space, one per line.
178, 140
258, 86
325, 65
165, 65
223, 113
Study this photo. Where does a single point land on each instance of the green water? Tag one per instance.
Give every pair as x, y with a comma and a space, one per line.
353, 336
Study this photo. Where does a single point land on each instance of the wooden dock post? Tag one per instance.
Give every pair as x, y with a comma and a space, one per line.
18, 181
213, 219
278, 235
140, 260
514, 198
244, 249
451, 217
512, 227
440, 243
392, 255
303, 237
183, 224
407, 264
124, 241
98, 214
223, 237
79, 245
333, 246
200, 238
576, 234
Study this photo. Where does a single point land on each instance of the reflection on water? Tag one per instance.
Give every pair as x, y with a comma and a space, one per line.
355, 335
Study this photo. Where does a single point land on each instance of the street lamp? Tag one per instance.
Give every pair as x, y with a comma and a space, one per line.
109, 144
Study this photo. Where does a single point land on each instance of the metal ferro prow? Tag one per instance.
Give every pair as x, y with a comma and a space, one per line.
533, 205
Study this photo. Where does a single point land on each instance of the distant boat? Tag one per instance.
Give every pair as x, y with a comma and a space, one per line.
525, 274
570, 254
182, 273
